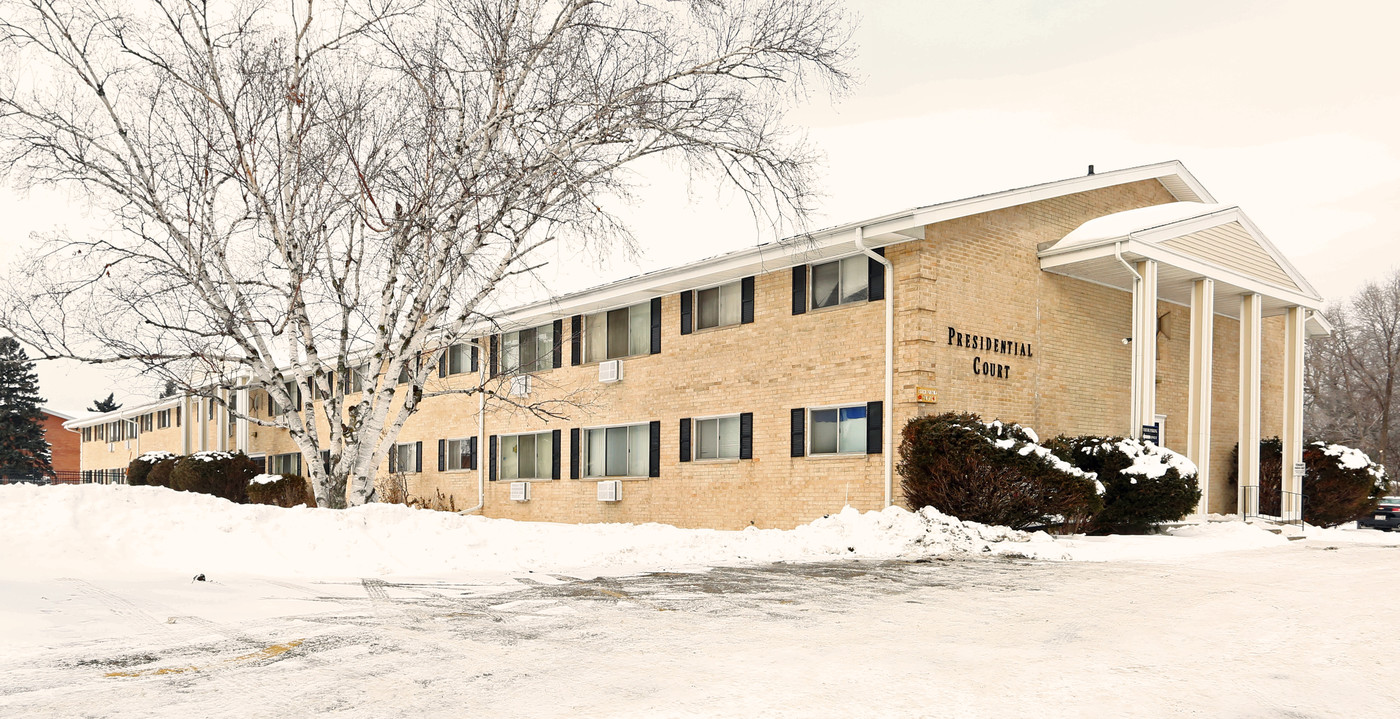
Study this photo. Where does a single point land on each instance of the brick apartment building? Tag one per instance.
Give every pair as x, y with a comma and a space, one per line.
765, 387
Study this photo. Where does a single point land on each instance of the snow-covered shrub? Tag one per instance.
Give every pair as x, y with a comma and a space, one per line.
282, 490
1341, 483
1144, 484
991, 472
221, 474
140, 469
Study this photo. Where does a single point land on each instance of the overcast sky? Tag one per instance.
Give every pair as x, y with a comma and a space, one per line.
1283, 108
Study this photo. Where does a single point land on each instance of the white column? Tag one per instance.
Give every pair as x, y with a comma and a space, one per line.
1251, 351
1144, 347
1293, 334
242, 428
221, 423
186, 421
202, 408
1199, 385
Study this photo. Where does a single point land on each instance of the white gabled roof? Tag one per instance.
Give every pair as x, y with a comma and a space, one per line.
89, 419
836, 241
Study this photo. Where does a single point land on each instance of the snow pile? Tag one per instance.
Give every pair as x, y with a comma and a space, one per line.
156, 456
96, 530
1010, 434
265, 479
211, 456
1352, 458
1149, 460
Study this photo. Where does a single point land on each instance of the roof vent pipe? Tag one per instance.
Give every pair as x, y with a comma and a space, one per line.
1091, 169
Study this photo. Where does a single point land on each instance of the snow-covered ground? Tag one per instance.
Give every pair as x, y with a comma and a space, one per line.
387, 611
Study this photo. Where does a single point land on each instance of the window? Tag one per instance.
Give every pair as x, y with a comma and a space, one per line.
163, 419
289, 463
838, 430
404, 458
616, 451
211, 407
618, 333
356, 379
527, 456
840, 282
232, 414
147, 422
87, 434
531, 350
292, 390
461, 359
717, 438
458, 453
718, 306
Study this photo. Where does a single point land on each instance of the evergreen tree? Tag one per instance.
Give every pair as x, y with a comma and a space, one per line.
24, 451
105, 405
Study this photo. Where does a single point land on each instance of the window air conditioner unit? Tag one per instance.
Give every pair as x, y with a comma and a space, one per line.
610, 371
520, 385
610, 490
520, 491
111, 447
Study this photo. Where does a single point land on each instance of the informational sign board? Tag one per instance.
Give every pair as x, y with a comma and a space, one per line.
1152, 433
927, 395
1299, 469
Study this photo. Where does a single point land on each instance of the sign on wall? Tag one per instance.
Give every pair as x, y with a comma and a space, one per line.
988, 345
1152, 433
926, 395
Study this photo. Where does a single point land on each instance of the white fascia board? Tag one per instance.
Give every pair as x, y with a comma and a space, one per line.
880, 231
124, 413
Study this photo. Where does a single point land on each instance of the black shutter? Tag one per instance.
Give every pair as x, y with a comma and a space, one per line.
654, 456
874, 427
475, 366
746, 300
326, 460
799, 291
685, 439
573, 452
746, 435
471, 453
799, 432
298, 456
656, 325
877, 277
687, 298
442, 362
418, 457
491, 459
298, 388
576, 342
558, 346
557, 453
442, 455
393, 459
494, 343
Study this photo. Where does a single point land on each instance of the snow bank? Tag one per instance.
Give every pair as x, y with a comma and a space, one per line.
114, 530
265, 478
1352, 458
96, 530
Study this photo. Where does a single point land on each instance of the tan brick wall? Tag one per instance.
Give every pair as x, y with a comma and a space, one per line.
979, 275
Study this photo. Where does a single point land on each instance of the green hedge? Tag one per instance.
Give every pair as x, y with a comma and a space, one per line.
289, 490
1341, 484
1143, 484
221, 474
991, 472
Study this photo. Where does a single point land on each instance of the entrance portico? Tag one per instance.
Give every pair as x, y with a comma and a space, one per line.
1214, 260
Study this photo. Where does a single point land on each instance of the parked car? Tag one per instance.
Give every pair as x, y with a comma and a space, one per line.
1386, 516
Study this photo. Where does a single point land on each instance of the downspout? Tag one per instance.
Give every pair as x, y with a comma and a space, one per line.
1134, 430
481, 436
888, 420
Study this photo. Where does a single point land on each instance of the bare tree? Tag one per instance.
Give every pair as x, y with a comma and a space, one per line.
293, 193
1353, 376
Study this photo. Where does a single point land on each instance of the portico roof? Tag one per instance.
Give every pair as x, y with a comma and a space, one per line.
1189, 241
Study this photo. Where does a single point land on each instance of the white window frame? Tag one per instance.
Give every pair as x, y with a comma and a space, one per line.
588, 334
447, 461
465, 348
840, 278
695, 437
398, 459
545, 472
721, 306
838, 407
542, 361
584, 451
